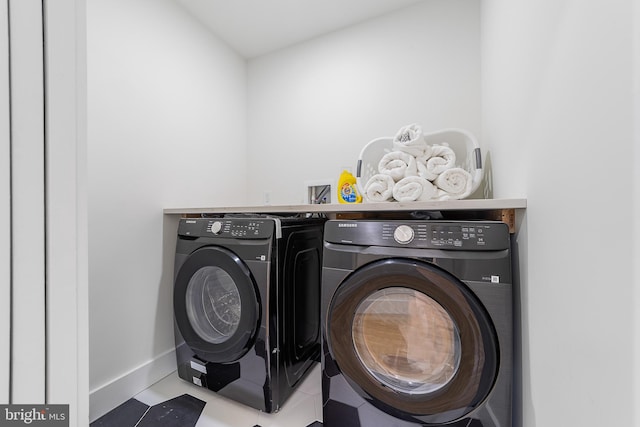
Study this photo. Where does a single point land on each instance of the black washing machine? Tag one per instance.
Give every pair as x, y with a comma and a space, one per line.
417, 324
247, 305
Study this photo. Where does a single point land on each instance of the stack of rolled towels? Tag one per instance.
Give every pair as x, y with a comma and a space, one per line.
417, 171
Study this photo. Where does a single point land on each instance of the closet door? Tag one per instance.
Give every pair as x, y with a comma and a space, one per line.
43, 259
5, 207
28, 340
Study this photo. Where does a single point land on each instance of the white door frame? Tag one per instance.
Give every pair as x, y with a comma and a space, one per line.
66, 219
5, 207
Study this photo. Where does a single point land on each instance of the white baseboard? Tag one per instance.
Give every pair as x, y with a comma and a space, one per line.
112, 394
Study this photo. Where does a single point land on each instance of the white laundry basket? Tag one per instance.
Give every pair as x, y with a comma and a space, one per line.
463, 143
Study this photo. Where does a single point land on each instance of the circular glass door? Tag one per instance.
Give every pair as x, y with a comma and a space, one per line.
413, 340
216, 304
213, 304
406, 340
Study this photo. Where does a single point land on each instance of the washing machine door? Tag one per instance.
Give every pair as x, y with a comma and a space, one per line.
413, 340
216, 305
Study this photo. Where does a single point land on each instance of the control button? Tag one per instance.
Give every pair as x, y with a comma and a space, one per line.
403, 234
216, 227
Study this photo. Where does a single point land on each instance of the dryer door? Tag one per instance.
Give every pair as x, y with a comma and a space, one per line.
413, 340
301, 301
216, 304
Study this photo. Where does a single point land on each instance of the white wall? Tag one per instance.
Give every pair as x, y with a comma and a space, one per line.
558, 117
166, 127
312, 107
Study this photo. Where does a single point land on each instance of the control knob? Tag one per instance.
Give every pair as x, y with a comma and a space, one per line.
403, 234
216, 227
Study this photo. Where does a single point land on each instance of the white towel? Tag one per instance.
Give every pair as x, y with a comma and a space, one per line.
413, 189
398, 165
455, 183
442, 158
410, 139
379, 188
423, 172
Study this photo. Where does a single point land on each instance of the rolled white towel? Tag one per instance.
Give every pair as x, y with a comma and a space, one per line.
442, 158
423, 172
413, 189
455, 183
410, 139
379, 188
398, 165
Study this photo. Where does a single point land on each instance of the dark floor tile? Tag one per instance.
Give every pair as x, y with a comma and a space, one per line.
125, 415
182, 411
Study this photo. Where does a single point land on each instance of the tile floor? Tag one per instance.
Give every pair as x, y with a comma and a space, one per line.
302, 409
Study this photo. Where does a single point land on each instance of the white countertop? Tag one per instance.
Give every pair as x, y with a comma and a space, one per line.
449, 205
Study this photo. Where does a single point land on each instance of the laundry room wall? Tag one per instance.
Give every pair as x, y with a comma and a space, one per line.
558, 116
313, 106
166, 127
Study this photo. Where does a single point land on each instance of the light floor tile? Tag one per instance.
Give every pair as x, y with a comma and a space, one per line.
301, 409
312, 383
318, 406
298, 411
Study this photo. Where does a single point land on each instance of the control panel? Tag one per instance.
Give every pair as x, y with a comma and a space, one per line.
459, 235
238, 228
455, 235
